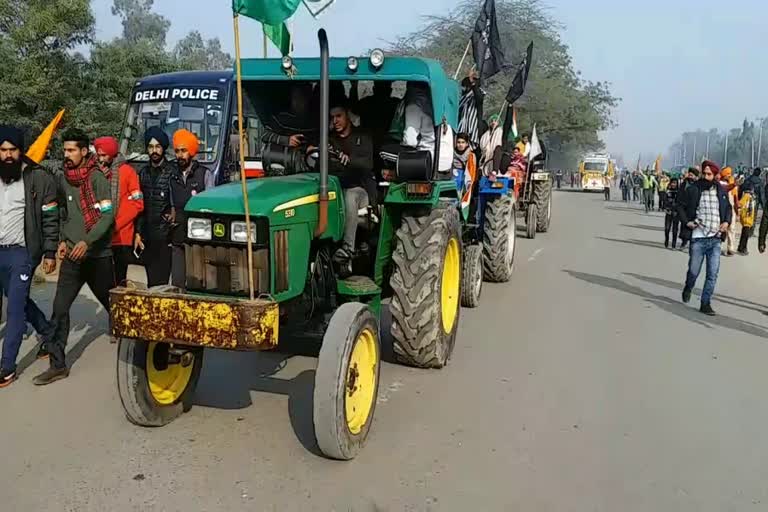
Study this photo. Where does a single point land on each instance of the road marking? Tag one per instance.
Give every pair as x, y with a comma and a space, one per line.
535, 254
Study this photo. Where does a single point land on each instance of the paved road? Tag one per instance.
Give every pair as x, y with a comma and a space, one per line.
583, 385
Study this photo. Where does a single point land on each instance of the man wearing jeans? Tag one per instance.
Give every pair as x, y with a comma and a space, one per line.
705, 214
29, 231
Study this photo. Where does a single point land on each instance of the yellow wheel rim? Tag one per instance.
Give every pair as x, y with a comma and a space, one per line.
169, 384
449, 289
360, 385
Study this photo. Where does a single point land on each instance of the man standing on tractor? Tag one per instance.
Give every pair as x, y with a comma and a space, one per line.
153, 225
188, 179
353, 165
85, 248
490, 140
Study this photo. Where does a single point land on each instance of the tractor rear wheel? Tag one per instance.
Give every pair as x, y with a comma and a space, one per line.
347, 381
531, 221
426, 285
472, 276
542, 198
499, 237
155, 384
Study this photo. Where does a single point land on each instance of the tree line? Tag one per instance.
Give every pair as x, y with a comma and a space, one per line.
569, 111
745, 146
52, 60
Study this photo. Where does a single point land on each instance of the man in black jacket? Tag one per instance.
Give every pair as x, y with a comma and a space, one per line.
352, 163
189, 178
705, 215
154, 224
29, 233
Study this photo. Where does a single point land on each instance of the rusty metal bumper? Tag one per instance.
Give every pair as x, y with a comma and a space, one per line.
166, 314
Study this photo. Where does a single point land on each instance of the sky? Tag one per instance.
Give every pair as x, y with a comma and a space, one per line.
677, 65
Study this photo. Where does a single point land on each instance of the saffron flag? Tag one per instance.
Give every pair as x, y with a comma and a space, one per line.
39, 148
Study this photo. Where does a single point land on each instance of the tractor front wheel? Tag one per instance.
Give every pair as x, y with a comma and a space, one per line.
472, 276
531, 221
347, 381
426, 285
499, 237
156, 382
542, 198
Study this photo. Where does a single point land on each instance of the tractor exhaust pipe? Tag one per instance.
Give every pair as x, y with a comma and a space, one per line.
322, 218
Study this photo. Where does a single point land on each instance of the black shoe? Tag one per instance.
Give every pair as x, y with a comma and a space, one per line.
43, 353
761, 248
50, 376
7, 377
743, 253
707, 310
686, 295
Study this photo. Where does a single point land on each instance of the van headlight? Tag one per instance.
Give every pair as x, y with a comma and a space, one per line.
238, 231
199, 229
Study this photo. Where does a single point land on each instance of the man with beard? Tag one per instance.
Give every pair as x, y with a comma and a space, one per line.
85, 247
154, 224
29, 232
189, 178
705, 214
127, 201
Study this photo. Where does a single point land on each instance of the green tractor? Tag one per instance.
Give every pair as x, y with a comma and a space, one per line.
416, 247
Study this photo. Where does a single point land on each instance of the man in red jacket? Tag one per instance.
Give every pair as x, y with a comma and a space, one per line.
127, 199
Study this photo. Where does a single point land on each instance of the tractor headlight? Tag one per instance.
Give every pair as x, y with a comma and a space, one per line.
287, 63
238, 231
199, 229
377, 58
352, 64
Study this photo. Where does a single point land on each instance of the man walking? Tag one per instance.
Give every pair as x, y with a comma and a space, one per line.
154, 224
637, 186
85, 247
705, 213
127, 202
649, 189
29, 232
189, 178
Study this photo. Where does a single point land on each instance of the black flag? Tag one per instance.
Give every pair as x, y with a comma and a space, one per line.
521, 78
486, 42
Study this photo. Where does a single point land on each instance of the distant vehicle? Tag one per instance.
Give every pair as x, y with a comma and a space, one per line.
593, 168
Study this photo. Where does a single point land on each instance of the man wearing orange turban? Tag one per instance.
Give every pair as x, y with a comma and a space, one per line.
729, 184
189, 178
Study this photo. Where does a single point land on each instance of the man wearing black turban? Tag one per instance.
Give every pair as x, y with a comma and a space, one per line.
153, 225
29, 234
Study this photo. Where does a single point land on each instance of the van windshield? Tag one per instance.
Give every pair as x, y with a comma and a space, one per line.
199, 110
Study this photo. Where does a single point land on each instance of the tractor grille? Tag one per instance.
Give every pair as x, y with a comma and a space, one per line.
281, 261
224, 270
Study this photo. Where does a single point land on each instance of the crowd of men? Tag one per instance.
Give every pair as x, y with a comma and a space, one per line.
701, 211
92, 218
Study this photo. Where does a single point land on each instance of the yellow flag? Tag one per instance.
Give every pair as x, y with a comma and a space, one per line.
36, 151
658, 165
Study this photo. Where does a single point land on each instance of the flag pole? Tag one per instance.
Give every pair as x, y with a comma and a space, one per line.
242, 153
463, 58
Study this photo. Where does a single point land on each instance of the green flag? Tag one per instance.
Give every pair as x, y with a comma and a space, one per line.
269, 12
279, 35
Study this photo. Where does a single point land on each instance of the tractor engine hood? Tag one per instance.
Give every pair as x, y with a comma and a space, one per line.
265, 196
